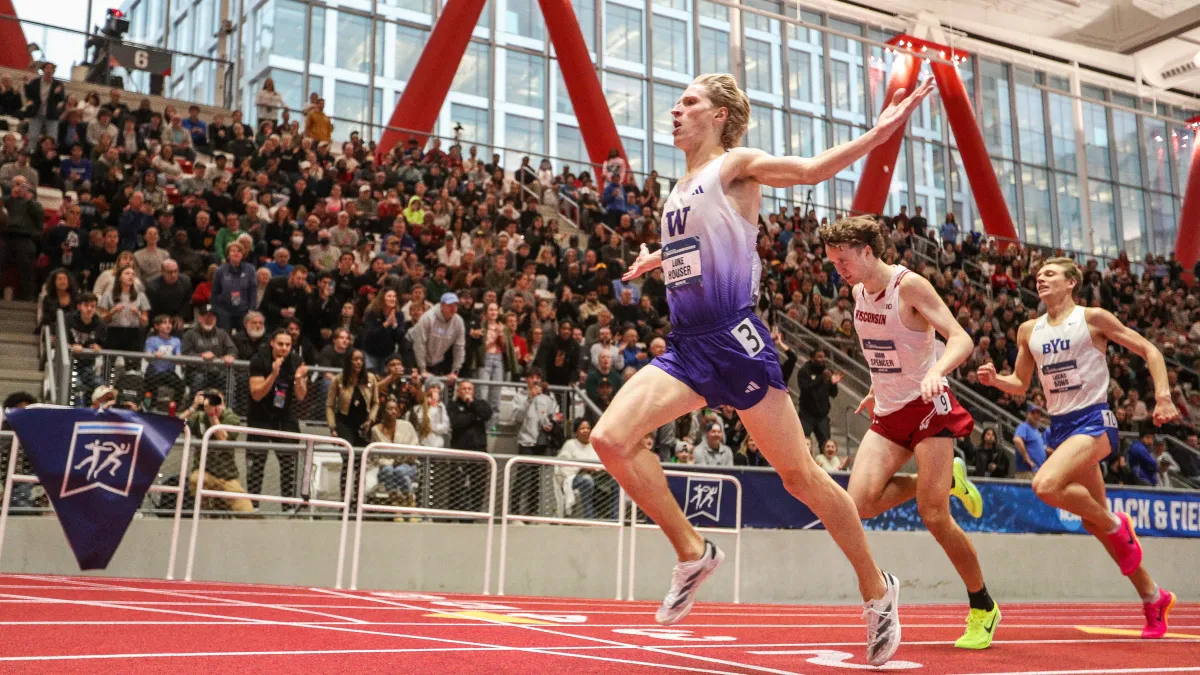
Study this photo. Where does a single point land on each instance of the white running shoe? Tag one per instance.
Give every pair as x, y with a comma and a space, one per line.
685, 581
883, 623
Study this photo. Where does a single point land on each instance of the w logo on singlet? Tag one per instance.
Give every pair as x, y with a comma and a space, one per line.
677, 221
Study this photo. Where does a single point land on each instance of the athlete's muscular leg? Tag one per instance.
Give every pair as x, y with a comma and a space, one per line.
1056, 482
775, 427
1093, 480
647, 401
875, 486
935, 466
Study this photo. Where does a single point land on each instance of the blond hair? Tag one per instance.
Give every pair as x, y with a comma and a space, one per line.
723, 92
1070, 269
857, 231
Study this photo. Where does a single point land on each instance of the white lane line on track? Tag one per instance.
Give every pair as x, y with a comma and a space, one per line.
541, 629
481, 623
449, 641
1096, 671
571, 648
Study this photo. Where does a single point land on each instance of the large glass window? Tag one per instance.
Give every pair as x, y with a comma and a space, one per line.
1062, 131
1158, 156
760, 133
841, 84
1162, 221
1104, 218
571, 147
1133, 221
1182, 145
316, 37
670, 44
714, 50
476, 129
421, 6
585, 12
289, 22
290, 86
349, 103
634, 152
1070, 216
996, 117
807, 137
624, 96
1095, 139
1035, 184
759, 22
665, 98
714, 11
524, 133
1125, 137
409, 43
524, 18
758, 65
561, 97
669, 161
524, 78
353, 42
473, 71
623, 33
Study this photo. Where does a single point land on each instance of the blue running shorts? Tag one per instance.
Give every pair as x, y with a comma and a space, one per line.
1094, 420
732, 364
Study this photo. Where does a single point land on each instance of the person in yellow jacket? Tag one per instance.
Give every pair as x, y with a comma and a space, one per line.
316, 123
414, 213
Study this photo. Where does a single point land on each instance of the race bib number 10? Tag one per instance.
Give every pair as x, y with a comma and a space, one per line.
681, 262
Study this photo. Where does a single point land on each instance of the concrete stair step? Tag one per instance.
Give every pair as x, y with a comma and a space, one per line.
21, 362
22, 305
20, 375
8, 339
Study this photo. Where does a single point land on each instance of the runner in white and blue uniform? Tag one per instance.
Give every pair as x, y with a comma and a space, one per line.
1067, 347
720, 353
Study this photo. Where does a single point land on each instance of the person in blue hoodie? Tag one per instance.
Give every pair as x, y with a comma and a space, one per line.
234, 289
1141, 461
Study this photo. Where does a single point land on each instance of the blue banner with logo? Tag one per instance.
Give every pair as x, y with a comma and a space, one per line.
96, 466
1008, 508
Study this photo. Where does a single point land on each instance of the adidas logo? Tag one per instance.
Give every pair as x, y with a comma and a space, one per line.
753, 386
698, 191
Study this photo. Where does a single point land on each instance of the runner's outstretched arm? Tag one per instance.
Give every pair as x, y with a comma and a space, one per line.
1018, 382
1112, 329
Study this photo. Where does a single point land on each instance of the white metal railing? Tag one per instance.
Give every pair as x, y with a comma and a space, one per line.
419, 451
178, 490
50, 379
618, 524
736, 531
305, 466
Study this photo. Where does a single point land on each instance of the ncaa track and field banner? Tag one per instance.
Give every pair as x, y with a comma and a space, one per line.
1008, 508
96, 466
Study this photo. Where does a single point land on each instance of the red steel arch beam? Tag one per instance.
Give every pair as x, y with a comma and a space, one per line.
13, 44
872, 193
1187, 239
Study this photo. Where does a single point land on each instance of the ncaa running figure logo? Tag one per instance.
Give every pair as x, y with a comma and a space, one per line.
703, 498
102, 455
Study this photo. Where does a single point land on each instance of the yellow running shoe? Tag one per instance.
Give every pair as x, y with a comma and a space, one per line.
981, 626
965, 490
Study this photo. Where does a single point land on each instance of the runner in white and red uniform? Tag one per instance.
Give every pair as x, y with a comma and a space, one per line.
913, 412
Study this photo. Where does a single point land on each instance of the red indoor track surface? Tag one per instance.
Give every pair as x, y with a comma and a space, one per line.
55, 624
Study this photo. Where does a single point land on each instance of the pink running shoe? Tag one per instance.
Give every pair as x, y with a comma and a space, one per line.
1156, 615
1126, 545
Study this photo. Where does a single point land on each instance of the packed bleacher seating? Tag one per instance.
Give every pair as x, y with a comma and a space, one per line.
183, 237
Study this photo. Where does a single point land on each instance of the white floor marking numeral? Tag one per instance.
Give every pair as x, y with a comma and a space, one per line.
553, 618
680, 634
836, 659
481, 606
399, 595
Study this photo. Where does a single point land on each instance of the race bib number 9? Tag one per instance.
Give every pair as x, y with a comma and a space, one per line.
941, 404
881, 356
681, 262
747, 334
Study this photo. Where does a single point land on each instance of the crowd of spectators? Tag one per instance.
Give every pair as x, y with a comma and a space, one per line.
412, 270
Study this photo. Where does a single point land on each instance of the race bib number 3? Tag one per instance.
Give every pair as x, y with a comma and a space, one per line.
747, 334
881, 356
681, 262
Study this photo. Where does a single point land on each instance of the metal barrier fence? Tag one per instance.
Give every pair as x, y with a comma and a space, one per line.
416, 450
616, 522
131, 374
310, 442
13, 477
635, 525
